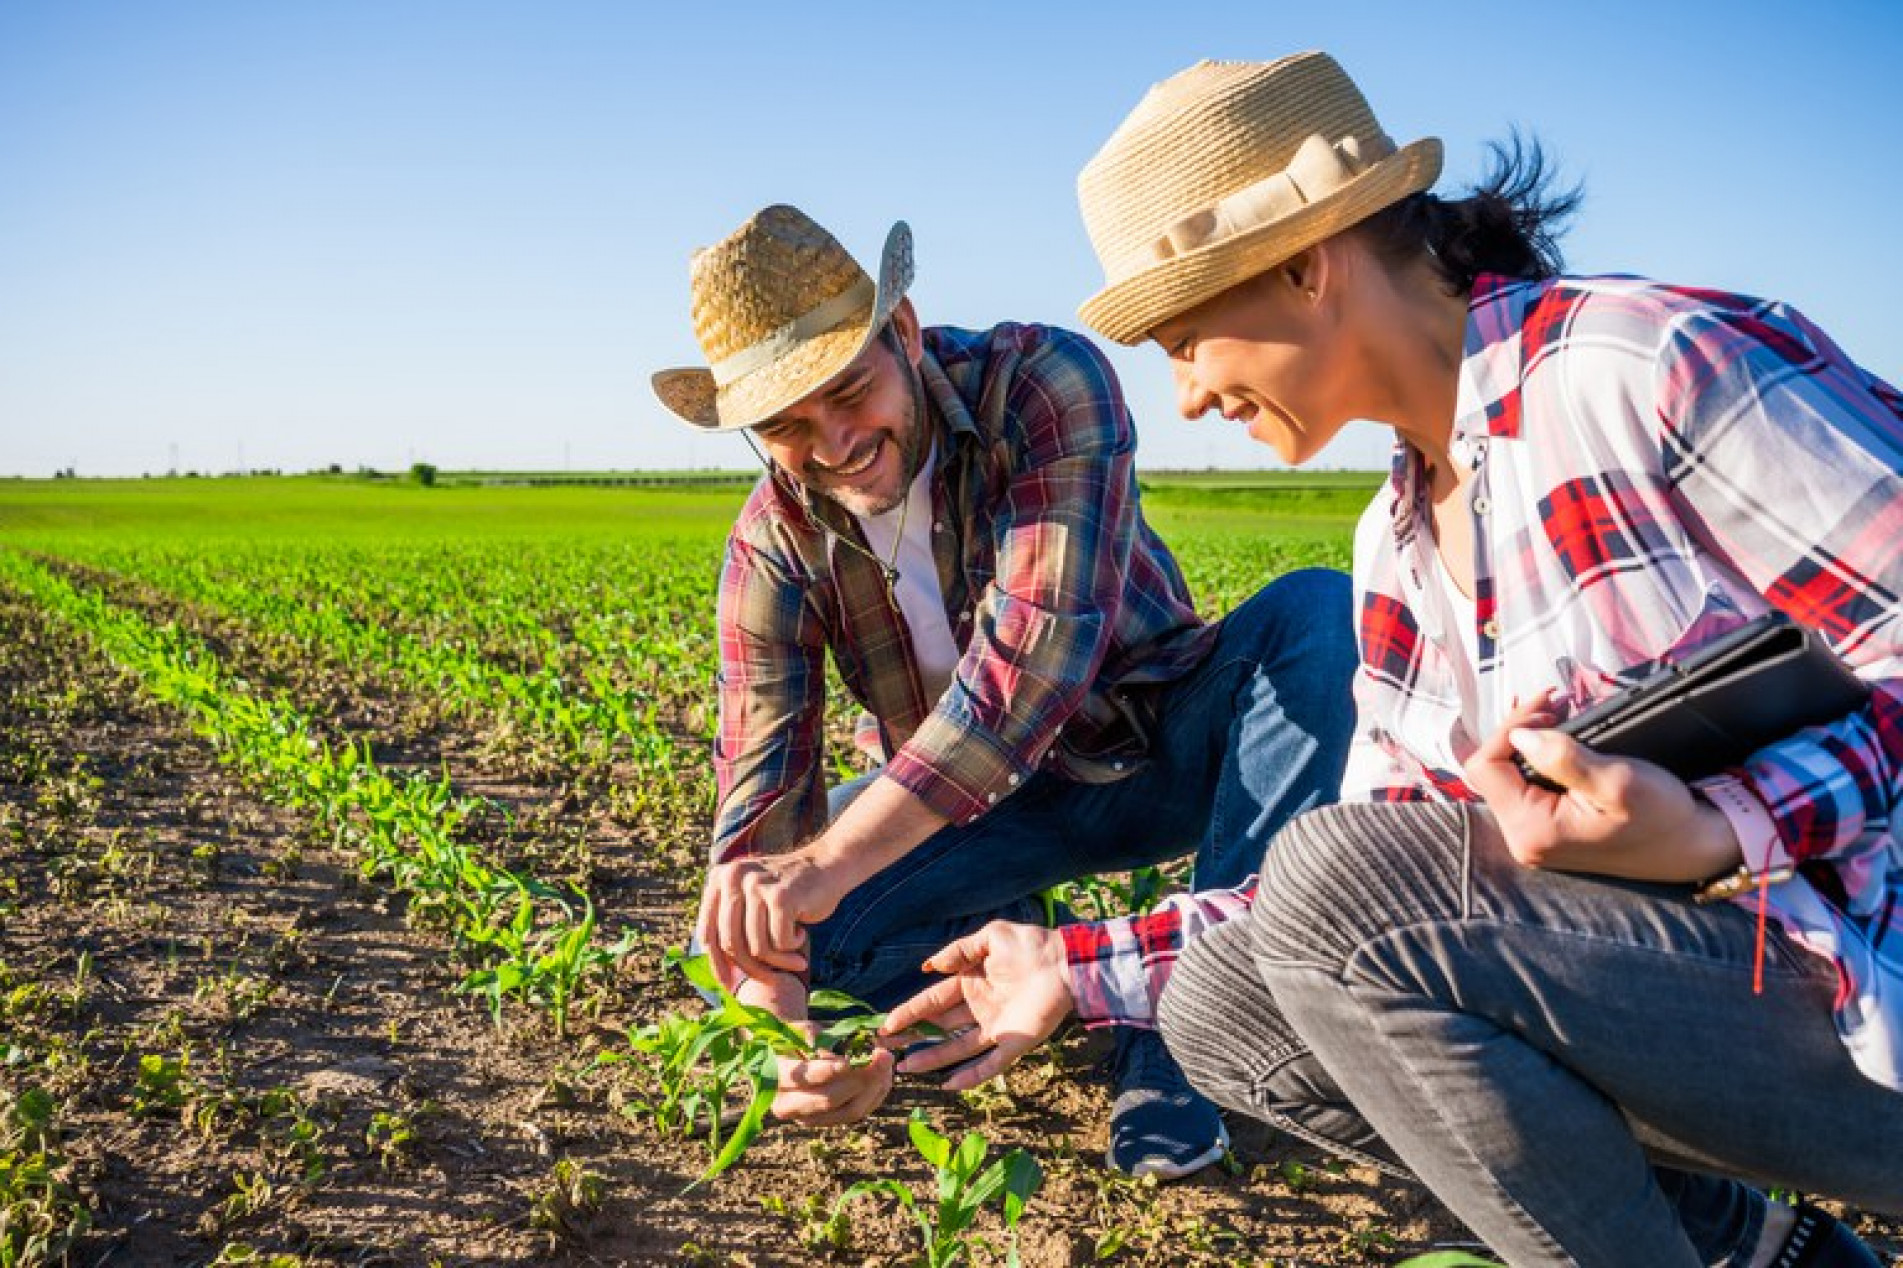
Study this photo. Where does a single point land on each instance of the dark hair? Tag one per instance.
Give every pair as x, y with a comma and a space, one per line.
1510, 223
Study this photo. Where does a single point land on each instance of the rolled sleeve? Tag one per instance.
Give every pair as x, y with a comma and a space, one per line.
772, 707
1063, 532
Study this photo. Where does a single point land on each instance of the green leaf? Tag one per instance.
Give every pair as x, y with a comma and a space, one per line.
1022, 1178
830, 1001
970, 1155
766, 1080
935, 1148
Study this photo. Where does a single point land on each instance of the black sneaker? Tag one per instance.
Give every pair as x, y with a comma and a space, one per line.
1159, 1126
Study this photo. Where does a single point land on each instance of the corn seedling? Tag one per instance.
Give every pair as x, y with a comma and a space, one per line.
965, 1187
697, 1062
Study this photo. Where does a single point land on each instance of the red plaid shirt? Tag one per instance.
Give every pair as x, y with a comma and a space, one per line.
1064, 604
1651, 467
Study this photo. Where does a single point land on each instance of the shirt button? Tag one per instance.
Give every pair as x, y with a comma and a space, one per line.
964, 616
992, 798
1482, 506
1013, 781
1117, 765
1492, 630
939, 527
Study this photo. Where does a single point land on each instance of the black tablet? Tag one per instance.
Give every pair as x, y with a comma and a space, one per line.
1723, 702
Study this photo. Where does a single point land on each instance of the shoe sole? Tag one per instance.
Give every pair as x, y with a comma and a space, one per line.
1166, 1169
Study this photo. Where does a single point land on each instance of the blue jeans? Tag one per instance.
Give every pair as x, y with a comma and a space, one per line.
1254, 735
1575, 1065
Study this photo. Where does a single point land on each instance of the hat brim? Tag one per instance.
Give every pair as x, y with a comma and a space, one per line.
1129, 309
692, 395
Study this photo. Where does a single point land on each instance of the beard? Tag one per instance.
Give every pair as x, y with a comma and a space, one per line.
908, 438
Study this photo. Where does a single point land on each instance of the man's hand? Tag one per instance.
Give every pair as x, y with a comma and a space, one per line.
1009, 989
753, 913
824, 1089
1618, 816
827, 1089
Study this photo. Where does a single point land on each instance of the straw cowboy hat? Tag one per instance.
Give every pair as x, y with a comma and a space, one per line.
779, 308
1227, 169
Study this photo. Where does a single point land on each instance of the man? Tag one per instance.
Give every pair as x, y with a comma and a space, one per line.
953, 516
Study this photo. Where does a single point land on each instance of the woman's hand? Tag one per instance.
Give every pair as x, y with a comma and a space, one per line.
1617, 817
1009, 989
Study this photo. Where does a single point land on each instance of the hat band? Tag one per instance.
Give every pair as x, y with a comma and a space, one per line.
780, 342
1319, 168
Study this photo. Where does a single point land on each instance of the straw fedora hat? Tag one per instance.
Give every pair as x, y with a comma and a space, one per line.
779, 308
1227, 169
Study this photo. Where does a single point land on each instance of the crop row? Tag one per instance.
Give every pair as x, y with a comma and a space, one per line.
526, 939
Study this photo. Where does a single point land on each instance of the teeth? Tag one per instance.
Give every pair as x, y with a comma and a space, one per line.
862, 465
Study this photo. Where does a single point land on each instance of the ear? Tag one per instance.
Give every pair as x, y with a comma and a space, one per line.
905, 321
1310, 272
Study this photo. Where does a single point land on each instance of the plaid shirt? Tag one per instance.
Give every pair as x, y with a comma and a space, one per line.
1064, 604
1651, 467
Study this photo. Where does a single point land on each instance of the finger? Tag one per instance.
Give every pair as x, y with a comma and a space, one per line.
1001, 1057
815, 1073
875, 1087
846, 1096
931, 1029
956, 957
1557, 756
762, 928
726, 972
954, 1049
733, 934
710, 901
784, 932
928, 1005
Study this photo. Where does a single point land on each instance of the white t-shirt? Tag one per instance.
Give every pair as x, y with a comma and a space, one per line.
921, 601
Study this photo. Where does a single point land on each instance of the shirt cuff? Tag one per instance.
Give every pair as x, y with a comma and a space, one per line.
1109, 981
962, 781
1750, 821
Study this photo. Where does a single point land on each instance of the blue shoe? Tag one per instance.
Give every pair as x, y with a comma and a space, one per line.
1159, 1126
1818, 1240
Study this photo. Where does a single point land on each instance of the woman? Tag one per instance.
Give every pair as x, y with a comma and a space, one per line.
1508, 991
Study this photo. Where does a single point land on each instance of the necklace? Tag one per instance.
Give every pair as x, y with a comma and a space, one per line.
890, 565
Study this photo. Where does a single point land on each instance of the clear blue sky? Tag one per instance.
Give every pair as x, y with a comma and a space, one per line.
284, 235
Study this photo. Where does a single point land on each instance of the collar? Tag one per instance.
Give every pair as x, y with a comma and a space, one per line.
1487, 400
1494, 360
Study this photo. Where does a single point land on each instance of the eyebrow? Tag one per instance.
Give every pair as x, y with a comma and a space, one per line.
854, 378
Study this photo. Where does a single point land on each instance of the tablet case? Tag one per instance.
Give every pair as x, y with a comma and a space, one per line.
1765, 680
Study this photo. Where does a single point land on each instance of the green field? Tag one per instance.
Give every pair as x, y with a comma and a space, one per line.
310, 776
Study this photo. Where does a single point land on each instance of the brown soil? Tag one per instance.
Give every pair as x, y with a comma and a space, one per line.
339, 1102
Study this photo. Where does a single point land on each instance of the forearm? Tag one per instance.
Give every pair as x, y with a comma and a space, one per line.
881, 826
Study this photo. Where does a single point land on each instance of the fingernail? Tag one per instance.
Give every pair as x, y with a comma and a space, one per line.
1527, 741
927, 967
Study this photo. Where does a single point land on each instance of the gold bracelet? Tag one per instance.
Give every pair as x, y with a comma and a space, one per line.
1741, 881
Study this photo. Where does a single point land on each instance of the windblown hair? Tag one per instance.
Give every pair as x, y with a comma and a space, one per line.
1509, 224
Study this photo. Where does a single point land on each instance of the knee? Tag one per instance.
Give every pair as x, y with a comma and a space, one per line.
1341, 876
1218, 1020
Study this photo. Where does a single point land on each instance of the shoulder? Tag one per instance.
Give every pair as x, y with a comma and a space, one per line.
1617, 313
1042, 387
772, 528
1010, 343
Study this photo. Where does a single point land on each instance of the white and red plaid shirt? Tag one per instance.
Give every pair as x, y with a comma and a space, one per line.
1651, 466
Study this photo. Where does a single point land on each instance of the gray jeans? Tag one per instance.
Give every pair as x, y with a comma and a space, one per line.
1569, 1063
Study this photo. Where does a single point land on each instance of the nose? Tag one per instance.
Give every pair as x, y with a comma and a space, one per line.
1192, 399
830, 438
